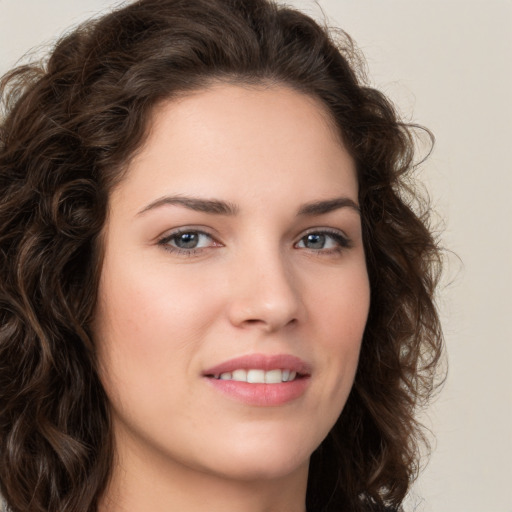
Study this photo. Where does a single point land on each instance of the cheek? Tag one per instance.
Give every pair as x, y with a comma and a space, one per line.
145, 328
147, 334
341, 319
148, 309
151, 325
342, 306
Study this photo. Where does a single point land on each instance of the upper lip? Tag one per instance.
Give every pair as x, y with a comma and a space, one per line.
261, 362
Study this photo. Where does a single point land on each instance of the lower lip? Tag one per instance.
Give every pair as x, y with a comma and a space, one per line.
264, 395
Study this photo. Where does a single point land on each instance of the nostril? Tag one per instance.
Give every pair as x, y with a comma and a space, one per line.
256, 321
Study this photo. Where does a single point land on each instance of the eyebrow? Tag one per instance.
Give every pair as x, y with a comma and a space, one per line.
329, 205
218, 207
200, 205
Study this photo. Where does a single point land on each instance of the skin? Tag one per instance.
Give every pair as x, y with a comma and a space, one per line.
254, 284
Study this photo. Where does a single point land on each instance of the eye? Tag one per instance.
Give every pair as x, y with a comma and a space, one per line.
327, 241
187, 241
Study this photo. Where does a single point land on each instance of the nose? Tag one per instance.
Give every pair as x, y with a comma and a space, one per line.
265, 293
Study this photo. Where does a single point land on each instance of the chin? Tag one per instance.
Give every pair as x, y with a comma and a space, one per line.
261, 457
265, 468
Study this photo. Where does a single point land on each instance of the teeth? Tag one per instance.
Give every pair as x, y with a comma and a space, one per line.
240, 375
273, 377
256, 376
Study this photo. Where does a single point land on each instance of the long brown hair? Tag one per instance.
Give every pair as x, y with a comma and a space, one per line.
69, 128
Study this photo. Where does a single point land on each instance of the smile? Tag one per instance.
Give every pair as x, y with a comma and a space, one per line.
258, 376
261, 380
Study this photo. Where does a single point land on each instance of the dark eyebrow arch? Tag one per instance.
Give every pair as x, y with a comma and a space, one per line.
200, 205
329, 205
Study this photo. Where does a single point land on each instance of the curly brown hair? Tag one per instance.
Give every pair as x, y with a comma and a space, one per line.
69, 128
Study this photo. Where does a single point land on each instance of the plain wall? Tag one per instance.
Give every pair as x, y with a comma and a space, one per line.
448, 66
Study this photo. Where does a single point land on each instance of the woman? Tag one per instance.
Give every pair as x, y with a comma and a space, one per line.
215, 292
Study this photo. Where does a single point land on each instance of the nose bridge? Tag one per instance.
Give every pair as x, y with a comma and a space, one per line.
265, 290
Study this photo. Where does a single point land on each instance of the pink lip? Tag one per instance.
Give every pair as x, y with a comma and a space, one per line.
263, 395
262, 362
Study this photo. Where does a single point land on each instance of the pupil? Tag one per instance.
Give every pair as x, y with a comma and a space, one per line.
187, 240
315, 241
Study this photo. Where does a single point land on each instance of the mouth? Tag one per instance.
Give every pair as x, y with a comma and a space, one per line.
259, 376
260, 369
261, 380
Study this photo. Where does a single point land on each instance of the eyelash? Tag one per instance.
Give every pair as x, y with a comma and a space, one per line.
164, 242
342, 242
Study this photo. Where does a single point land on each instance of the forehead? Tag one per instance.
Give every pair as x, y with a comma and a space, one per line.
224, 99
228, 139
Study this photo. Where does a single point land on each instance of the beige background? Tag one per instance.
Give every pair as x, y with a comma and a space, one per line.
448, 65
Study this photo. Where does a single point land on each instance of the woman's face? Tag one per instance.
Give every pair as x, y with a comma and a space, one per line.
233, 253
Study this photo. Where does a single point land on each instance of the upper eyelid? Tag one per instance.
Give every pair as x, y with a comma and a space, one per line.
168, 235
337, 236
324, 229
334, 232
185, 229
